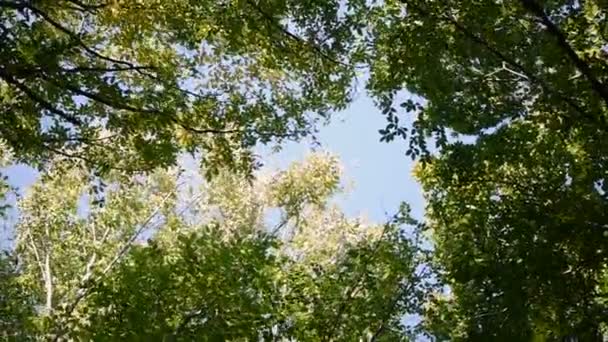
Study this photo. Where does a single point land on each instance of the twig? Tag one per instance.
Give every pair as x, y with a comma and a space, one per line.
44, 103
562, 42
294, 37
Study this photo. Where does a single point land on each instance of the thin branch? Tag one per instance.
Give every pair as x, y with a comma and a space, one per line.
355, 287
83, 291
88, 271
92, 162
36, 254
125, 248
105, 69
13, 4
185, 321
503, 57
37, 98
562, 42
88, 8
280, 225
48, 273
394, 302
99, 98
293, 36
48, 282
206, 130
76, 37
78, 139
124, 106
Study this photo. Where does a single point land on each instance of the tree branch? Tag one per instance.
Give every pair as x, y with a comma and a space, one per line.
503, 57
83, 291
13, 4
99, 98
294, 37
186, 319
207, 130
92, 162
76, 37
48, 284
355, 287
38, 99
87, 8
105, 69
562, 42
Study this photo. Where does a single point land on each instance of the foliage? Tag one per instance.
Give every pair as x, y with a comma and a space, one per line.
512, 96
130, 84
15, 307
509, 111
144, 258
5, 188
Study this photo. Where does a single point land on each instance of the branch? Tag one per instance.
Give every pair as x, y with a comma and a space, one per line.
184, 322
99, 98
105, 69
392, 306
87, 8
36, 255
83, 291
206, 130
485, 44
41, 101
92, 162
294, 37
562, 42
13, 4
284, 220
124, 106
76, 37
125, 248
355, 288
48, 284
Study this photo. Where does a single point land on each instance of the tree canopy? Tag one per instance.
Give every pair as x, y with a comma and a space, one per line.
514, 98
151, 260
502, 103
130, 84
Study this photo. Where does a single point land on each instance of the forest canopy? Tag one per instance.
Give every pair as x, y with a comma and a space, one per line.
502, 104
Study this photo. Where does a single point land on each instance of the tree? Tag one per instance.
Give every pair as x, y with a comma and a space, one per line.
147, 259
514, 100
130, 84
15, 307
5, 188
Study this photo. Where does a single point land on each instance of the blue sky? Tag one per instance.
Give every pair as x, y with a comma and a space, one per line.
381, 172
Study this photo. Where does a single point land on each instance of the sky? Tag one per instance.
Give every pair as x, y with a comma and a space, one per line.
378, 174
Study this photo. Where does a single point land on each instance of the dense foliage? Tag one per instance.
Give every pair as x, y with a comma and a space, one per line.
130, 84
149, 260
503, 103
514, 96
